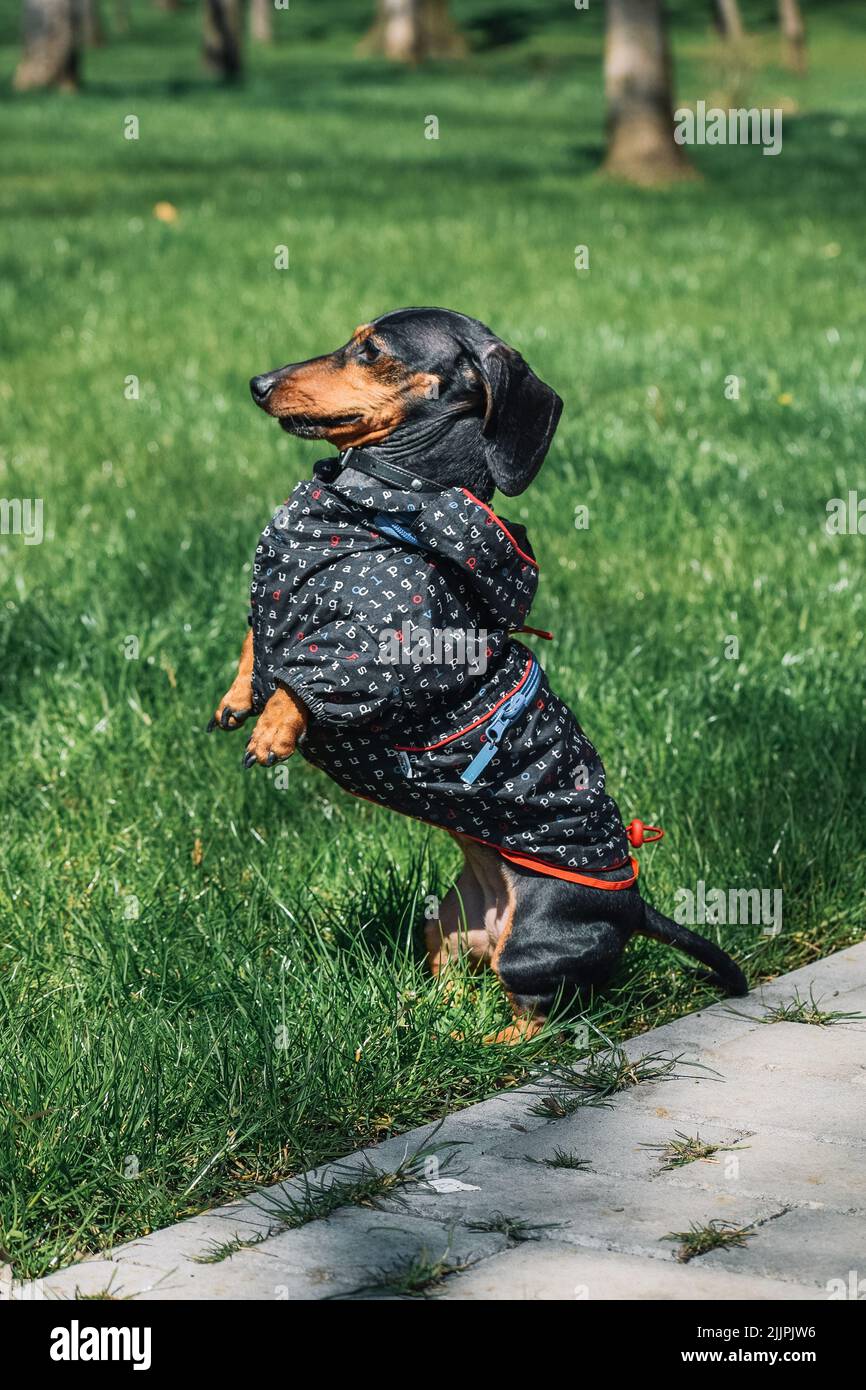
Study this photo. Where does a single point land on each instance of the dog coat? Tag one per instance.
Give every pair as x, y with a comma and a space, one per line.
391, 615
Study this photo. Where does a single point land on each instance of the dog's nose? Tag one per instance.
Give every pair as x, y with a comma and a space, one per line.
261, 387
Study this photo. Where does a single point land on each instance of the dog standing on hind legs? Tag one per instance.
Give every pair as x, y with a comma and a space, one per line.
390, 543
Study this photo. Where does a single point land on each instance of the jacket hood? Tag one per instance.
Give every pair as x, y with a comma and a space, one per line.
493, 555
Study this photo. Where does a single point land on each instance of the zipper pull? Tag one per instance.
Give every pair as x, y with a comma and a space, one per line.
510, 711
484, 755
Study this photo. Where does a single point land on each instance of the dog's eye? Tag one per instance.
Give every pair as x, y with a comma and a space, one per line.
368, 350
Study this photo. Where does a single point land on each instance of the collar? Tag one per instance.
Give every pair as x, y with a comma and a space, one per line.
326, 470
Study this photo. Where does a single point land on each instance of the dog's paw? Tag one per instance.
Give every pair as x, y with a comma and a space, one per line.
521, 1030
235, 707
280, 725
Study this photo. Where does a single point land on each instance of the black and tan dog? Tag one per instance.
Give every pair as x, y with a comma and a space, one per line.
430, 405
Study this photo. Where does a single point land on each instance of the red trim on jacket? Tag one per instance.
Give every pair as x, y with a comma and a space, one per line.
501, 524
541, 866
428, 747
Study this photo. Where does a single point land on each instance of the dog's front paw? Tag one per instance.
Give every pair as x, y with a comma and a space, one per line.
521, 1030
235, 707
278, 728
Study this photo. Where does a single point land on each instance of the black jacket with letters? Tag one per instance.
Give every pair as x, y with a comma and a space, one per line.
390, 614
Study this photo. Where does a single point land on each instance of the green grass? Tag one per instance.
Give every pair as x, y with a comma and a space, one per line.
687, 1148
599, 1079
345, 1185
421, 1276
563, 1158
716, 1235
208, 981
514, 1228
798, 1010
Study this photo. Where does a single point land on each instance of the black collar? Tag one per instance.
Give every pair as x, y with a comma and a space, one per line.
326, 470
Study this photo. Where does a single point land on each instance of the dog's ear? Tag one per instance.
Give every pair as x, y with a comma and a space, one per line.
520, 416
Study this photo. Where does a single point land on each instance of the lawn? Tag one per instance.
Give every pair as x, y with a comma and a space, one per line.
210, 980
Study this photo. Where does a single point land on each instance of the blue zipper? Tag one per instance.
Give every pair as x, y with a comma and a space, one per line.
509, 713
394, 530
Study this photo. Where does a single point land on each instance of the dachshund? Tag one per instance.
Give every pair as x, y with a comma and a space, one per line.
430, 412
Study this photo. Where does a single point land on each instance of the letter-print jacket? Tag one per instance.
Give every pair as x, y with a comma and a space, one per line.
390, 615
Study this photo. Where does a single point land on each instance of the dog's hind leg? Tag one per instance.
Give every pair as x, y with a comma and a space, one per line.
475, 920
474, 914
450, 934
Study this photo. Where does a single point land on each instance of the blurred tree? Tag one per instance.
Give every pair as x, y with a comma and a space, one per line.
223, 37
261, 20
728, 19
53, 36
793, 35
638, 81
94, 30
409, 31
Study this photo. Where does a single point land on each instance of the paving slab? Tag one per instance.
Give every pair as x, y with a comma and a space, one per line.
563, 1272
832, 1053
352, 1250
809, 1172
634, 1216
786, 1101
808, 1246
784, 1104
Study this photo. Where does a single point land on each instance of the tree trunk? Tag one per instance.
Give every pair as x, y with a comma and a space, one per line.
638, 88
396, 31
442, 36
53, 32
94, 32
223, 37
793, 35
728, 20
409, 31
261, 21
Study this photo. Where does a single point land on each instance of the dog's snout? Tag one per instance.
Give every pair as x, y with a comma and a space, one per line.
262, 386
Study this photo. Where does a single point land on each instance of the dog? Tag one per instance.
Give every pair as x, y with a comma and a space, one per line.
430, 412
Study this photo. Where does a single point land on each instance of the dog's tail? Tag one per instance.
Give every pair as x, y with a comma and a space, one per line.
724, 972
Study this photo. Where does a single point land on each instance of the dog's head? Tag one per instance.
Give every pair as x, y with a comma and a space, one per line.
414, 366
